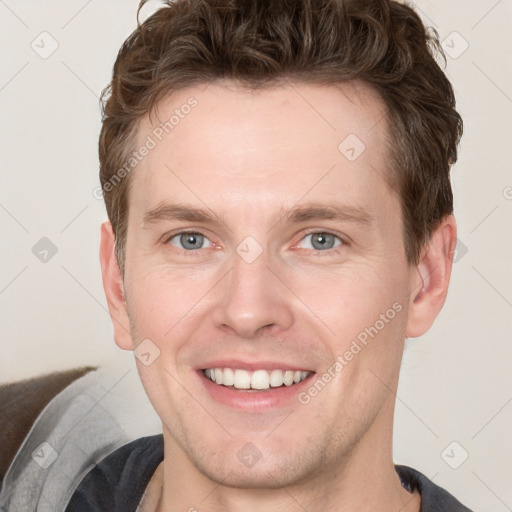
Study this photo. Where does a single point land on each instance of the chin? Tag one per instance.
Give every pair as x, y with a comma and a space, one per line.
248, 468
268, 476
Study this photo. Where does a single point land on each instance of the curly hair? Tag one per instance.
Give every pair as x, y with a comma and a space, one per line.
260, 43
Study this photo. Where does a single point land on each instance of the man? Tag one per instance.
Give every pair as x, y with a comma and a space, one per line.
276, 175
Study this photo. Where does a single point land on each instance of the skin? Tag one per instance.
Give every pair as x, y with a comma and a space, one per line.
250, 157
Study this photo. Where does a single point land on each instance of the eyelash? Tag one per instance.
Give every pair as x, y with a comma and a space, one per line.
327, 252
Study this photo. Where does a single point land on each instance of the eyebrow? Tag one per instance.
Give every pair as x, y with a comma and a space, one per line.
295, 215
178, 212
329, 211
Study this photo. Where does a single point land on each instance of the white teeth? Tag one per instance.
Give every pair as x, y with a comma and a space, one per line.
229, 377
276, 378
288, 378
242, 379
258, 379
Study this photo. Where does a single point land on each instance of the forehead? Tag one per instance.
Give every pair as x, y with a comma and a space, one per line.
240, 147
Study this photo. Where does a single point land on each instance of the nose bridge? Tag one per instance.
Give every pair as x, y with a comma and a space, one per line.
252, 296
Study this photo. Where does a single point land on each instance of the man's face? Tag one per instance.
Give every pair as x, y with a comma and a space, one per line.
296, 258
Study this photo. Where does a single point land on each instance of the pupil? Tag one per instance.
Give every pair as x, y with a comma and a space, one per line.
322, 240
190, 240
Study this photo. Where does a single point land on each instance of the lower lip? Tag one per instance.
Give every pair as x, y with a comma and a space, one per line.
249, 400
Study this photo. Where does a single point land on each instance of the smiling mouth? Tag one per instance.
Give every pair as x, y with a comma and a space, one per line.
258, 380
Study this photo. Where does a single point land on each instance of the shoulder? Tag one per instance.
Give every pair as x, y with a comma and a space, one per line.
22, 402
118, 482
433, 497
91, 418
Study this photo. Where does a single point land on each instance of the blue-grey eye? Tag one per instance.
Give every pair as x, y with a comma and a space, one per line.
188, 241
322, 241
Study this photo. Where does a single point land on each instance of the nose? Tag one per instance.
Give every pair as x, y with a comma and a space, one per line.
253, 298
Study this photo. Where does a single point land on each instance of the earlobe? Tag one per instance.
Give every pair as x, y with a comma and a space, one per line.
114, 288
430, 278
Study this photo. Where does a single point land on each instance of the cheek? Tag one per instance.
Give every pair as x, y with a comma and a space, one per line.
365, 312
160, 300
353, 297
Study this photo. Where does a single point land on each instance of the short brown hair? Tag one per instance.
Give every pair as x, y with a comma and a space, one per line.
259, 43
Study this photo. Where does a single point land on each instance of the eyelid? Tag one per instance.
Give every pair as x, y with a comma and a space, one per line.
182, 231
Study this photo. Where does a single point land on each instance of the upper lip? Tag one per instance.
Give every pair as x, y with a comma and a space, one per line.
251, 365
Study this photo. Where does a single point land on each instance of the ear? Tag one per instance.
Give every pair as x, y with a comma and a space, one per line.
114, 288
430, 278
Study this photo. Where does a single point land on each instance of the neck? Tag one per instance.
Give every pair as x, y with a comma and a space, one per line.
362, 480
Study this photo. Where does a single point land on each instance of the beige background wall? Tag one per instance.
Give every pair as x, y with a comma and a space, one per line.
455, 396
